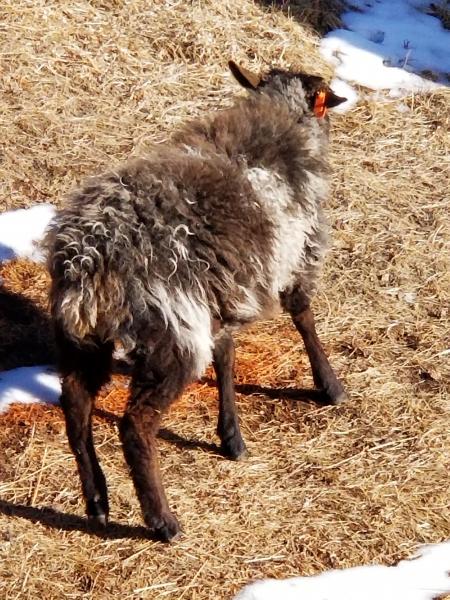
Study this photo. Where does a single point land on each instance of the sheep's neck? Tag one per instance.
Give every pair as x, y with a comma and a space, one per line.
256, 130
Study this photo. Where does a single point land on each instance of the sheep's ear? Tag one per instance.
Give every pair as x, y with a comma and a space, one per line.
246, 78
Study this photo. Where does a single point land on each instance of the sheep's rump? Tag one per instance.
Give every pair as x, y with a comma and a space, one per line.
172, 241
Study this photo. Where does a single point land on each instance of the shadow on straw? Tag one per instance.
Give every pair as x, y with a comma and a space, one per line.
58, 520
163, 434
297, 394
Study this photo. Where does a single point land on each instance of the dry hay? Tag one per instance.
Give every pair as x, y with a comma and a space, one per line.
86, 83
320, 15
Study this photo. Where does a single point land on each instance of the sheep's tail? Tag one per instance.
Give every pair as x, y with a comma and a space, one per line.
424, 577
88, 294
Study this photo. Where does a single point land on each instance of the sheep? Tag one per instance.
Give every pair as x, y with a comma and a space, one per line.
169, 254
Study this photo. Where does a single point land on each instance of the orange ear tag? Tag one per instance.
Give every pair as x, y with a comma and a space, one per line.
320, 109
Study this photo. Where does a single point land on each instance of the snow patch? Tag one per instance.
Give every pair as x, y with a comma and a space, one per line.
405, 35
387, 45
29, 384
359, 61
21, 230
423, 578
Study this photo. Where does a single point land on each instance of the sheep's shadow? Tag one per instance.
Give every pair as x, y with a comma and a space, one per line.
164, 434
278, 393
55, 519
27, 337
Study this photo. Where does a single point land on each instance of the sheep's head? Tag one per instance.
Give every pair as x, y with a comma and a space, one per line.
301, 91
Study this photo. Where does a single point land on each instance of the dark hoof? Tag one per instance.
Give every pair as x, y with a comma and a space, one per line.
97, 514
335, 397
164, 528
98, 521
339, 399
234, 449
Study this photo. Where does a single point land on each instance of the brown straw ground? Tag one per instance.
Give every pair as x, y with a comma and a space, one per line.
83, 85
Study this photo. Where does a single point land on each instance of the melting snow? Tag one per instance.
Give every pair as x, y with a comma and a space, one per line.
29, 384
424, 578
386, 45
20, 229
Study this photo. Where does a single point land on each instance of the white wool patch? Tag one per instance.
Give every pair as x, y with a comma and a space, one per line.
190, 319
70, 308
249, 308
292, 226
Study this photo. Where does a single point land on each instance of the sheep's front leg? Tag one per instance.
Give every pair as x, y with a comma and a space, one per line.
232, 444
297, 304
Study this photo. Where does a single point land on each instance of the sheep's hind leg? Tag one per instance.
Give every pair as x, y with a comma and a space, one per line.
232, 444
297, 304
84, 370
157, 381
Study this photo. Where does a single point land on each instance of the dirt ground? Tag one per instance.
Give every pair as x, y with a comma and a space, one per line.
86, 83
